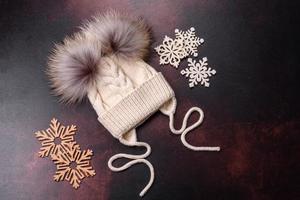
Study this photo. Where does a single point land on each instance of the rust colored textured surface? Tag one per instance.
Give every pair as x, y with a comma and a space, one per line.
252, 107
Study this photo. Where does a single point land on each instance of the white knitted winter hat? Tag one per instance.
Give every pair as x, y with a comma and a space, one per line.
104, 61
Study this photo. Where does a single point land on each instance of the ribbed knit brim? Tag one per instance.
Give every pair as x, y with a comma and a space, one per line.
137, 106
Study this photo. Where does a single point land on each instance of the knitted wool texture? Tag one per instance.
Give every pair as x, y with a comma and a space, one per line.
104, 61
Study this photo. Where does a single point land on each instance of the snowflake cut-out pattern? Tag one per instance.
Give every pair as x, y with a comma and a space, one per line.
171, 51
198, 72
55, 138
190, 40
73, 165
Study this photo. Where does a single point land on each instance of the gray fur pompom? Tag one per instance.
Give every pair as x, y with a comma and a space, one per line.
119, 34
74, 64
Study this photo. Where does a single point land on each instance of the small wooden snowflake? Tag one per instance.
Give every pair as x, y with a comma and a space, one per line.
198, 72
73, 165
55, 138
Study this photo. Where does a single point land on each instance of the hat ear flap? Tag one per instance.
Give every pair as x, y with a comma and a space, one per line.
129, 138
169, 107
73, 66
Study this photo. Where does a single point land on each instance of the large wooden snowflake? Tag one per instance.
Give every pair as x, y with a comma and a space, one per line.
73, 165
55, 138
198, 72
171, 51
190, 40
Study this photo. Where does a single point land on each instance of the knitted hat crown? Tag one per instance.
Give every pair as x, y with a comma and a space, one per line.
104, 61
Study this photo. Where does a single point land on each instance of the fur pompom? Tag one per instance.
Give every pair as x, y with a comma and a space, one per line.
73, 66
119, 34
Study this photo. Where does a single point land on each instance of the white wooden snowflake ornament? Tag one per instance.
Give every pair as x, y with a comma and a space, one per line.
190, 40
171, 51
198, 72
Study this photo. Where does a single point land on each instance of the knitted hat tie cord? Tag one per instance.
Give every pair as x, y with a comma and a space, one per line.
184, 130
135, 160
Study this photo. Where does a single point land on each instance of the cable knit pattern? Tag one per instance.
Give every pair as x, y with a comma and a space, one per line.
137, 106
112, 74
113, 84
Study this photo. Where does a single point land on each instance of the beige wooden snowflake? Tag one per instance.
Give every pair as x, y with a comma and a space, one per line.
171, 51
55, 138
190, 40
198, 72
73, 165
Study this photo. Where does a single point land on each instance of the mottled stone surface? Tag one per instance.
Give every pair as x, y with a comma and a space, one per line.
252, 107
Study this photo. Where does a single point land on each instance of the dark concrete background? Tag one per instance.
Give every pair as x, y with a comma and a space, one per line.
252, 107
